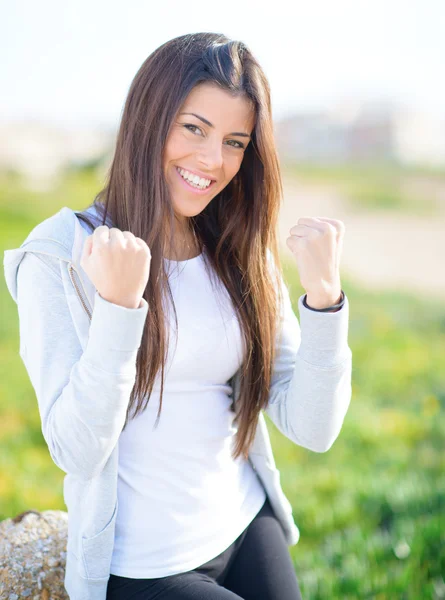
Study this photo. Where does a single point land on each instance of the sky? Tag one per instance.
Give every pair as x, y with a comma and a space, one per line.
71, 63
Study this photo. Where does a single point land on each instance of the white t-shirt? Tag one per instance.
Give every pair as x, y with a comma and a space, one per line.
182, 499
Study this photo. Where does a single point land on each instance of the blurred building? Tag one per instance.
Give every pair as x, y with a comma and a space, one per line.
419, 138
40, 151
374, 131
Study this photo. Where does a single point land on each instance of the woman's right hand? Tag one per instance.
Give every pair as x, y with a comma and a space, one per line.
118, 264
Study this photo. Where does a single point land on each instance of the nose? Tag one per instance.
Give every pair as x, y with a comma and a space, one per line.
211, 157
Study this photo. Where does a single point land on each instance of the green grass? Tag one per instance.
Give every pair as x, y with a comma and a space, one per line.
371, 510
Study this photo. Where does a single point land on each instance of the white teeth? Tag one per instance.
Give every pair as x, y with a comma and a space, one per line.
194, 180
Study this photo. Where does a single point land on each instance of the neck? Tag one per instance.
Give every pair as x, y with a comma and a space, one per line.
185, 245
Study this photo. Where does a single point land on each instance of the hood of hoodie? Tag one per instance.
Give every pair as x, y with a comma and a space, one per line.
61, 236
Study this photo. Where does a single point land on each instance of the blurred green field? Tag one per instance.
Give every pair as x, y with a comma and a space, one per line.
371, 511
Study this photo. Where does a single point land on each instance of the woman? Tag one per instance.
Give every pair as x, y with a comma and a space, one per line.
181, 499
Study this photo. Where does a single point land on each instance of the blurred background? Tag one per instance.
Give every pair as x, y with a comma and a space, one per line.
358, 97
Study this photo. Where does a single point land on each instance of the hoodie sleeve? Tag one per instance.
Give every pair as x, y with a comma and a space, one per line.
82, 395
311, 380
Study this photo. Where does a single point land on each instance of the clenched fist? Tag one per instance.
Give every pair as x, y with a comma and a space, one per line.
317, 245
118, 264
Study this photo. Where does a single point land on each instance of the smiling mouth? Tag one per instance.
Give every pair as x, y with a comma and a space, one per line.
181, 172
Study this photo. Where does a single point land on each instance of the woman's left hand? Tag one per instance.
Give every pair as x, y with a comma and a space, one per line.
316, 243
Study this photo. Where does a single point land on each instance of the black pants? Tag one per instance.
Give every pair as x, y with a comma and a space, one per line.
257, 566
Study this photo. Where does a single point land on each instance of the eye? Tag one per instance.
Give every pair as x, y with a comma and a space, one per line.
239, 144
194, 126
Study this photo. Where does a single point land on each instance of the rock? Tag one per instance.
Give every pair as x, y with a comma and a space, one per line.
33, 555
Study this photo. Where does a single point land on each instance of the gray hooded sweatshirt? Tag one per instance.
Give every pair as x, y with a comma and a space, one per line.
80, 354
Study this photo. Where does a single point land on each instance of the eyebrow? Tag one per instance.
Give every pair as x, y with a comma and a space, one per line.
210, 124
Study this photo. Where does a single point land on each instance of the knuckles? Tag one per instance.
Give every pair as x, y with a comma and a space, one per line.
311, 227
101, 242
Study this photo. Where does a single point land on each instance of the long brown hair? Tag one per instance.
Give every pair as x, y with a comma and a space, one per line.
237, 228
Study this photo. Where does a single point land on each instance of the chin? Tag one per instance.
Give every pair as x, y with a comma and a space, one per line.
190, 207
187, 211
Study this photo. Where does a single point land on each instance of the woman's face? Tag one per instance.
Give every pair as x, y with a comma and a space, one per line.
210, 143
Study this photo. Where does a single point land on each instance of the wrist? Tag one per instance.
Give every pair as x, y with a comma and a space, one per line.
125, 303
319, 302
